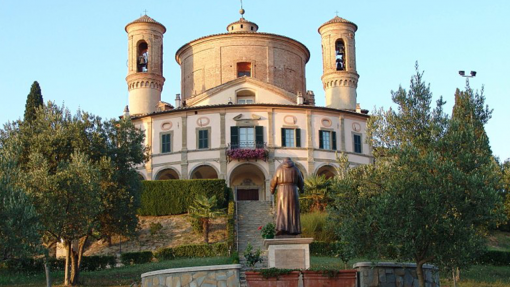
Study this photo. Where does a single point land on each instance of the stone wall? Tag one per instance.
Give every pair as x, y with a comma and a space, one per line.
388, 274
204, 276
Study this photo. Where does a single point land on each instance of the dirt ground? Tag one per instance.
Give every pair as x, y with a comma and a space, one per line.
176, 231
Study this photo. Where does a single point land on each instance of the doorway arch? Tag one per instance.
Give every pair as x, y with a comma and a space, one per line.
248, 182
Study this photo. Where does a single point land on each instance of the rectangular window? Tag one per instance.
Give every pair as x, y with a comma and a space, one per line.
246, 137
327, 140
357, 143
291, 137
243, 69
166, 143
245, 101
203, 139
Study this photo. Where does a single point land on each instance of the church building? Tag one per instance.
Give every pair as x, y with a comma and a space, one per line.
244, 106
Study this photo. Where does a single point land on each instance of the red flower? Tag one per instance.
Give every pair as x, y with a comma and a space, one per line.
260, 227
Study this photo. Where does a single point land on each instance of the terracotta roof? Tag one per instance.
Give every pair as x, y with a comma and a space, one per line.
364, 113
338, 20
146, 19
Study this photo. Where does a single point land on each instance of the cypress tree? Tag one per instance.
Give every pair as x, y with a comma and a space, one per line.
34, 101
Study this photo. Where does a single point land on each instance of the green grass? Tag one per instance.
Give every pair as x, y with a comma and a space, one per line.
123, 276
499, 240
476, 276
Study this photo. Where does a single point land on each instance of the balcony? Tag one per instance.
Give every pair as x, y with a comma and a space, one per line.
247, 150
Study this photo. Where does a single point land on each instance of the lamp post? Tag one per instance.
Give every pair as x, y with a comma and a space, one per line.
471, 75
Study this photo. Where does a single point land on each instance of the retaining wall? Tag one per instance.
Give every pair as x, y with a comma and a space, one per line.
389, 274
204, 276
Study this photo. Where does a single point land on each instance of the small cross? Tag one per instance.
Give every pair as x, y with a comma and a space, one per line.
145, 11
241, 4
336, 13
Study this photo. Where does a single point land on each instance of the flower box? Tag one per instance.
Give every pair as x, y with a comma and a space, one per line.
255, 279
341, 278
247, 154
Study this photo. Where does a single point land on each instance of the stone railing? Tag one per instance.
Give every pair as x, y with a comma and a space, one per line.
217, 275
389, 274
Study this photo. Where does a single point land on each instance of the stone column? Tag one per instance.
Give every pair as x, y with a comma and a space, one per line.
184, 149
223, 146
309, 142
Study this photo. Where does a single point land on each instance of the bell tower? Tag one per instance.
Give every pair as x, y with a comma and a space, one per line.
145, 64
339, 77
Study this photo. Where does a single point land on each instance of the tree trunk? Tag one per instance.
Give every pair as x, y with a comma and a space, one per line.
205, 226
47, 271
67, 246
419, 272
76, 261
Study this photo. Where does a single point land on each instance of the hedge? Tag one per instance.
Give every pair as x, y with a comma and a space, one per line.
493, 257
167, 197
88, 263
136, 257
231, 225
193, 251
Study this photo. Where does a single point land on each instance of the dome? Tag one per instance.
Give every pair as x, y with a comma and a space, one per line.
242, 25
339, 20
146, 19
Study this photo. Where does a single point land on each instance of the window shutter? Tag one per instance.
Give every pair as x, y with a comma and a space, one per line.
321, 140
259, 136
234, 137
333, 139
283, 138
298, 137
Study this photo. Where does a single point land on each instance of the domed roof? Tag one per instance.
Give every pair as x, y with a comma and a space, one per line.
146, 19
338, 20
239, 26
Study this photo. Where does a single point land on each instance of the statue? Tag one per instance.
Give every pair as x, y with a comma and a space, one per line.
287, 179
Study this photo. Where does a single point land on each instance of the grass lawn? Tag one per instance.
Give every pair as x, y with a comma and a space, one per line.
476, 276
123, 276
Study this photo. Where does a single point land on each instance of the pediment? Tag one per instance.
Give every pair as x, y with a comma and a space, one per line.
264, 93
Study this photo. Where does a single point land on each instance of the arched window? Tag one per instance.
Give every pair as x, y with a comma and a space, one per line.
143, 57
245, 97
340, 55
243, 69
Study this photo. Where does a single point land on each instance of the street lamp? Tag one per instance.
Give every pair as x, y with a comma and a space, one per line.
463, 74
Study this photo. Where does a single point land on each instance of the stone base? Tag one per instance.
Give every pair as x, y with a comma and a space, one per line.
288, 253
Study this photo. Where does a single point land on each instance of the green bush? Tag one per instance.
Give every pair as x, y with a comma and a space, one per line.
315, 224
155, 228
192, 251
494, 257
94, 263
231, 225
196, 225
136, 257
167, 197
30, 265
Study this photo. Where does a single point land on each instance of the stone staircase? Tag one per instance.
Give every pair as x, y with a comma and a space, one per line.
250, 216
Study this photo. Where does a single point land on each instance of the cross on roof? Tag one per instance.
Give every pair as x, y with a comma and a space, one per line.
336, 13
145, 11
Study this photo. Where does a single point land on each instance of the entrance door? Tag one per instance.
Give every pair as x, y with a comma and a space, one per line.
247, 194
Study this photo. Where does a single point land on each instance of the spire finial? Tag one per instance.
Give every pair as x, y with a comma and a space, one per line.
241, 11
336, 12
145, 11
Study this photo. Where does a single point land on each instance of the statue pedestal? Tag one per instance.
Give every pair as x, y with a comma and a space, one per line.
288, 253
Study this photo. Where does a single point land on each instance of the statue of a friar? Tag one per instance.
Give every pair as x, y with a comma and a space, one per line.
287, 180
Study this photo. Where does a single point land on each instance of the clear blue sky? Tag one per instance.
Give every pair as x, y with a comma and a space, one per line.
77, 50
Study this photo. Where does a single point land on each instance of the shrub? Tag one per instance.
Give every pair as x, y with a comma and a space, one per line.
315, 224
167, 197
93, 263
155, 228
192, 251
494, 257
30, 265
231, 225
136, 257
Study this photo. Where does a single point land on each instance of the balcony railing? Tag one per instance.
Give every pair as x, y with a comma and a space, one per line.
247, 150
